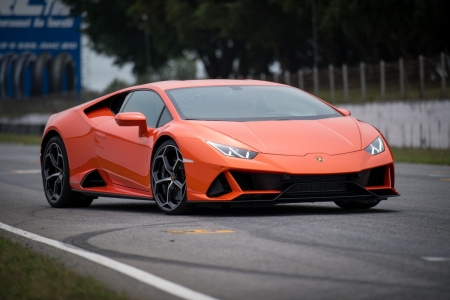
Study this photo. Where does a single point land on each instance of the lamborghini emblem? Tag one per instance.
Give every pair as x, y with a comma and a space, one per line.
319, 158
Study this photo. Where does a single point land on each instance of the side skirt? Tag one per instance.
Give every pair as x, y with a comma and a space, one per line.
110, 195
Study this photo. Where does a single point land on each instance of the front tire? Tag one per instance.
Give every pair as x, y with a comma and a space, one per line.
169, 180
55, 177
356, 205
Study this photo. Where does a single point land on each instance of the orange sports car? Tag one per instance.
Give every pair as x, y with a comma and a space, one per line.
214, 142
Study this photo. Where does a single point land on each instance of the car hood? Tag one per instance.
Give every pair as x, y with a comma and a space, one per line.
294, 137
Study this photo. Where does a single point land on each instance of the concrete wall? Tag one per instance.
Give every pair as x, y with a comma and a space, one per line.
29, 124
417, 124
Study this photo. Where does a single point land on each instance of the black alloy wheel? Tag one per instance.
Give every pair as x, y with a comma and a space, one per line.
169, 180
55, 177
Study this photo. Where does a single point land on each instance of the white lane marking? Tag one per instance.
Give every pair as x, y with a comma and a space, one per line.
33, 171
441, 172
433, 258
187, 160
145, 277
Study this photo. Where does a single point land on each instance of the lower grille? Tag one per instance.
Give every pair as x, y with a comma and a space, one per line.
317, 187
323, 191
319, 178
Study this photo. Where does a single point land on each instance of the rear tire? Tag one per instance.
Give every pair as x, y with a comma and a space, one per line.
55, 177
356, 205
169, 180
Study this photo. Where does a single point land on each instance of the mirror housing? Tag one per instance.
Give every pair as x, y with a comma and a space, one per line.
344, 111
132, 119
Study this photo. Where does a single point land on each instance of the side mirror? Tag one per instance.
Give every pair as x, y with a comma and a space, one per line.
344, 111
132, 119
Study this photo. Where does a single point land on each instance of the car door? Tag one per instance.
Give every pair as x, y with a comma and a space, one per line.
121, 153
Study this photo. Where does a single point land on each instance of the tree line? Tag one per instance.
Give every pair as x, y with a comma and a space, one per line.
245, 37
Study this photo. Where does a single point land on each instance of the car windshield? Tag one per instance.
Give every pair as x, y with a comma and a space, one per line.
248, 103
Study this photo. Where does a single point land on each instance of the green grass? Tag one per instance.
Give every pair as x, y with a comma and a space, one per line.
27, 139
422, 156
28, 275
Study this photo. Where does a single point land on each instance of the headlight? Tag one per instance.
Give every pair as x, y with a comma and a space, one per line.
376, 147
233, 151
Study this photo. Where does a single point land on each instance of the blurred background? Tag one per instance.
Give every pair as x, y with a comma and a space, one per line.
385, 61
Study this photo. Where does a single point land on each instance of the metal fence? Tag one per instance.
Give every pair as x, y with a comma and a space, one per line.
414, 79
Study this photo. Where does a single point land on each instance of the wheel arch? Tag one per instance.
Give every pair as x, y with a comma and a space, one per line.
159, 142
51, 133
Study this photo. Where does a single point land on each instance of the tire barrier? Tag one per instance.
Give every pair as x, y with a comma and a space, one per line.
25, 75
26, 60
62, 73
41, 74
6, 64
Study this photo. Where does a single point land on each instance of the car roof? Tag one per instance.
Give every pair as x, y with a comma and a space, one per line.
176, 84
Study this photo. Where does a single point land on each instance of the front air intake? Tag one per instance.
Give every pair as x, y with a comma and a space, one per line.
219, 187
376, 177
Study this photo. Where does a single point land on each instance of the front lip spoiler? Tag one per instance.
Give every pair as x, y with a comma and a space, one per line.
303, 200
268, 203
363, 196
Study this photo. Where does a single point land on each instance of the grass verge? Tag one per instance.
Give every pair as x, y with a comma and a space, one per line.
422, 156
28, 275
411, 155
27, 139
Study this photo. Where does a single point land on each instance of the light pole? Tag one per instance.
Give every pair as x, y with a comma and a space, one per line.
147, 44
315, 58
314, 32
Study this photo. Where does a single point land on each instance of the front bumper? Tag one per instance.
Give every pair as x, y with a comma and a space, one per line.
268, 178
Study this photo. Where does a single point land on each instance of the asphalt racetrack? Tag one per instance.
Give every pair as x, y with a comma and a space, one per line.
399, 249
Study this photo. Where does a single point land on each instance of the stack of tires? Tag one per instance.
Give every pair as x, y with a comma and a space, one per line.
28, 74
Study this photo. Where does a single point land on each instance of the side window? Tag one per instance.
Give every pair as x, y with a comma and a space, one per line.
146, 102
118, 101
166, 117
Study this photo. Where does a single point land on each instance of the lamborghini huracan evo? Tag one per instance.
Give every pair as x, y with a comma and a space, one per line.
214, 142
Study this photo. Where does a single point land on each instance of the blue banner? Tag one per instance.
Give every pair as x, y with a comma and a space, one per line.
40, 49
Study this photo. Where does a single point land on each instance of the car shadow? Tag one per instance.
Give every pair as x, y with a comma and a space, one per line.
288, 210
133, 206
271, 211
